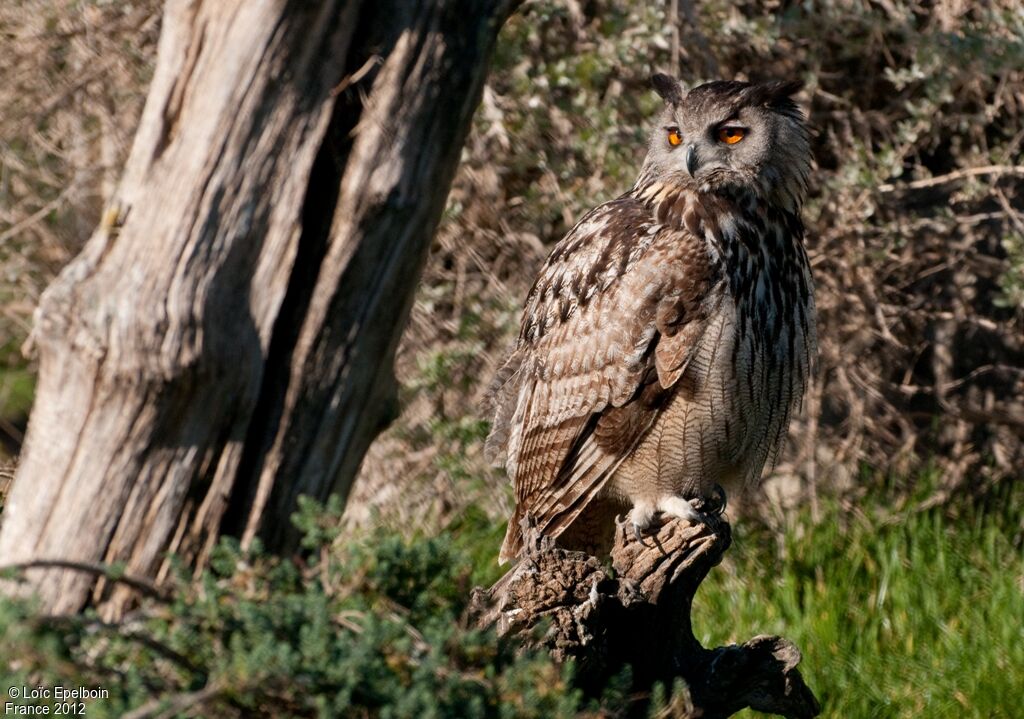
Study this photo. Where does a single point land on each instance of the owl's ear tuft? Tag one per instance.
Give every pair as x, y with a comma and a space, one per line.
776, 92
784, 89
778, 95
668, 87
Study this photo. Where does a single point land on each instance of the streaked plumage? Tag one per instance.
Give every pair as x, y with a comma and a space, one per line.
670, 333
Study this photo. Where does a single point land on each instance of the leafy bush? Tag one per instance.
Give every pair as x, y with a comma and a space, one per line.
375, 630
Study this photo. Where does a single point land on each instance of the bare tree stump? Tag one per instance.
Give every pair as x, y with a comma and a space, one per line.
639, 614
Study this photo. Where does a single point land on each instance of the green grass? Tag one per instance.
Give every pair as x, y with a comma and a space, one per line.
919, 618
17, 389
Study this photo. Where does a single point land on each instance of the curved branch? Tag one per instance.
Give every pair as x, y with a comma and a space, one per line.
106, 571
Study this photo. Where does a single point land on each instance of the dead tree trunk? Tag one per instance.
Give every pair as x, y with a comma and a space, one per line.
641, 617
224, 342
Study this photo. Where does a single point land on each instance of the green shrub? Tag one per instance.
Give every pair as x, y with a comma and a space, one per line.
375, 630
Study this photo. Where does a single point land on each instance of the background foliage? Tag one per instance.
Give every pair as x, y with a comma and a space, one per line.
914, 231
891, 540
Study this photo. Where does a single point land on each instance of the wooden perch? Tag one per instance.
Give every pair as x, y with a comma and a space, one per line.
640, 615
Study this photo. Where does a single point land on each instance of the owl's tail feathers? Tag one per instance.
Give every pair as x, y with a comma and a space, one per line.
500, 401
512, 547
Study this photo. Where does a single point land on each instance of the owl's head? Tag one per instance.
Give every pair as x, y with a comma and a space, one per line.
732, 135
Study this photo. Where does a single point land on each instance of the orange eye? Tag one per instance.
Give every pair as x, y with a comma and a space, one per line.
731, 135
674, 138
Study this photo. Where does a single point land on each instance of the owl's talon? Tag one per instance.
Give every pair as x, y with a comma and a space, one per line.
641, 517
719, 501
712, 505
682, 509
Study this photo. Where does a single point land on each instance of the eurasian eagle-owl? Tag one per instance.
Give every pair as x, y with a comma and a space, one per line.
671, 333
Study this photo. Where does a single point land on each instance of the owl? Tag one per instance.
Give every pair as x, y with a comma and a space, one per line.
671, 333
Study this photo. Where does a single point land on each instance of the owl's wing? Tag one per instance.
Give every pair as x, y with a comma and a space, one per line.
607, 331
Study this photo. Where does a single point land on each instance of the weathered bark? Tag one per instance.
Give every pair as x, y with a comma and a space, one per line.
225, 340
640, 616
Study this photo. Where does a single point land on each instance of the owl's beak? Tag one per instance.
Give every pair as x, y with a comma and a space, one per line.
691, 159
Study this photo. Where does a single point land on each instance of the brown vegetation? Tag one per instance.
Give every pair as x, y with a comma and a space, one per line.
75, 76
